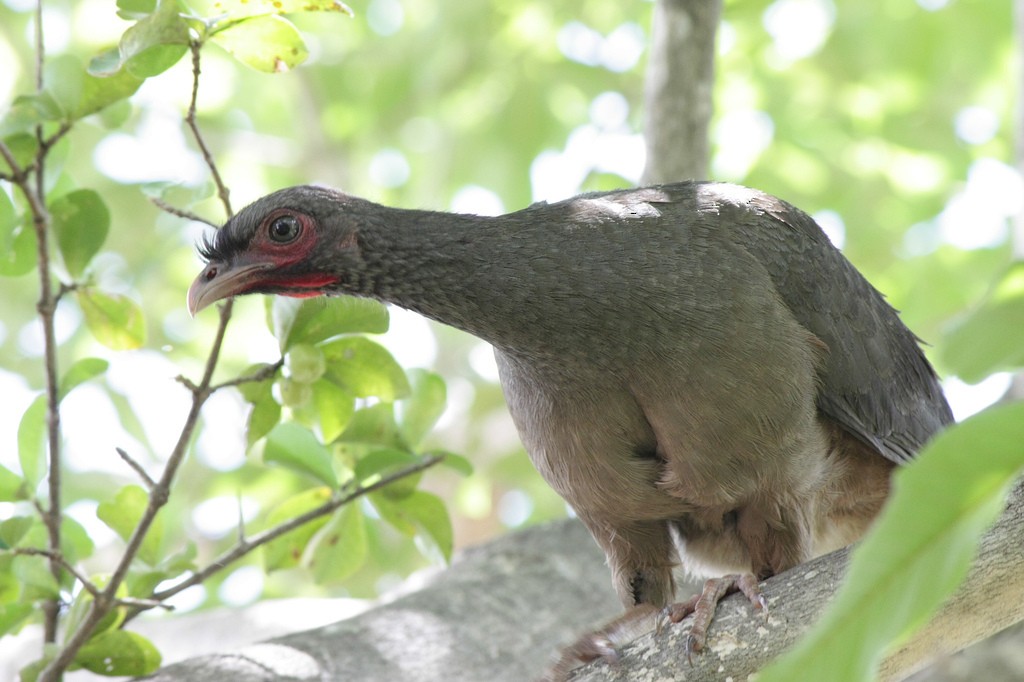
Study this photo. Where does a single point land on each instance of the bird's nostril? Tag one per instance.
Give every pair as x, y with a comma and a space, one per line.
211, 273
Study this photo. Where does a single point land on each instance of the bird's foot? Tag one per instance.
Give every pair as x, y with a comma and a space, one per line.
703, 605
605, 642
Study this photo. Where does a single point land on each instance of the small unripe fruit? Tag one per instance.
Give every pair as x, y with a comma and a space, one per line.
305, 363
294, 393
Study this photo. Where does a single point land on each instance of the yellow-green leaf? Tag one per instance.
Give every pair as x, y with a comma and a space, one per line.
80, 372
334, 407
115, 320
267, 43
365, 368
31, 442
119, 652
423, 513
418, 413
123, 514
18, 253
340, 548
12, 486
81, 221
286, 550
312, 320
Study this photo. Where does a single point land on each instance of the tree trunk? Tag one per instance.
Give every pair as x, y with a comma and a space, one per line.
680, 76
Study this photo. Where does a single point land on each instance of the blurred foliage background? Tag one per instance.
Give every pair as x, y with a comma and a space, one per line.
889, 120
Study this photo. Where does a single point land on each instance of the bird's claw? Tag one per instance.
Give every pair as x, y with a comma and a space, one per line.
703, 605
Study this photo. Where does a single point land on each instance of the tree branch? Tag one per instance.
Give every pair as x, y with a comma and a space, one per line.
740, 642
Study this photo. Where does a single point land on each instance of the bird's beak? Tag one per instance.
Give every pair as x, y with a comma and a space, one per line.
220, 280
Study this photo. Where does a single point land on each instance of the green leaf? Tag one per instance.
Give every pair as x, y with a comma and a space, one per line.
334, 407
13, 616
33, 572
312, 320
23, 146
100, 92
115, 320
984, 342
31, 442
375, 465
12, 486
298, 449
453, 461
418, 413
119, 652
374, 425
286, 550
12, 530
64, 78
17, 241
912, 561
154, 44
123, 514
81, 221
365, 368
420, 512
135, 9
340, 548
75, 542
80, 372
270, 44
25, 113
265, 415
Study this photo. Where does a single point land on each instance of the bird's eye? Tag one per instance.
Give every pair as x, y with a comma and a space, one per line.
284, 229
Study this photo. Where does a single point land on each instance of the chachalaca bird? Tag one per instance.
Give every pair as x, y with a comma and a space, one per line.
694, 367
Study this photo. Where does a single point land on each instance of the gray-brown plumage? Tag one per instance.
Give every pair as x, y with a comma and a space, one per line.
693, 367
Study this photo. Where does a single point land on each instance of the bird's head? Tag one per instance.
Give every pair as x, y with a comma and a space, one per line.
294, 242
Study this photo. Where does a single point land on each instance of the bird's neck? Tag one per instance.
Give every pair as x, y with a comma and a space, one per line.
497, 278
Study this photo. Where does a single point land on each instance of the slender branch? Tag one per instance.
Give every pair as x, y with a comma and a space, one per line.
180, 212
30, 181
159, 493
150, 483
246, 545
190, 119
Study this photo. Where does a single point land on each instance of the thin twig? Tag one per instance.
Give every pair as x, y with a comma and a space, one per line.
32, 185
58, 558
180, 212
190, 119
150, 483
246, 545
262, 374
88, 585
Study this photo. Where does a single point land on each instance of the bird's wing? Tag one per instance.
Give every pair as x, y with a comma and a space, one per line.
876, 382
